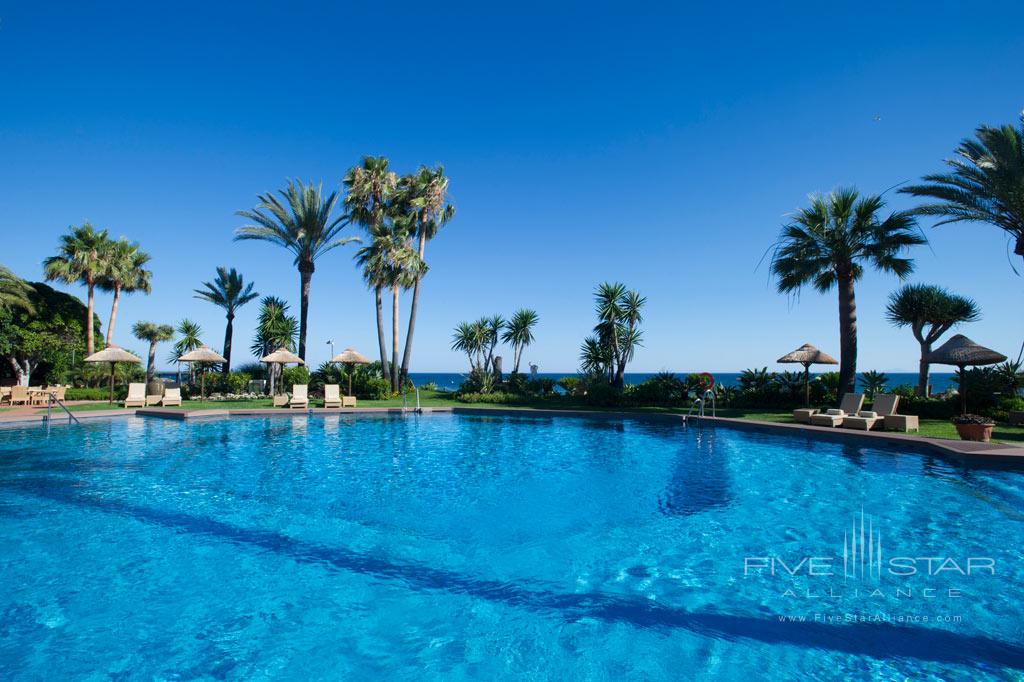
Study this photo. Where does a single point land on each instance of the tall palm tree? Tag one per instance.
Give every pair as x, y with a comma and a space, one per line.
923, 305
125, 272
302, 220
425, 195
985, 183
14, 292
275, 328
154, 333
230, 292
827, 244
370, 188
619, 314
81, 259
519, 333
190, 333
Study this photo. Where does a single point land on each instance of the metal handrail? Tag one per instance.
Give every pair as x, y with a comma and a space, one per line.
700, 403
51, 399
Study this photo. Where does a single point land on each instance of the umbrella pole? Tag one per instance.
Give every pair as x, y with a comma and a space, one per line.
807, 384
111, 401
202, 382
963, 389
350, 381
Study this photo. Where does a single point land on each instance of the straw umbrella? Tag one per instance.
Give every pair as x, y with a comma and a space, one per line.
282, 356
202, 354
113, 354
808, 355
963, 353
350, 357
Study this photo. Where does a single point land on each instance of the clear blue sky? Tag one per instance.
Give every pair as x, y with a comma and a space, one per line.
657, 145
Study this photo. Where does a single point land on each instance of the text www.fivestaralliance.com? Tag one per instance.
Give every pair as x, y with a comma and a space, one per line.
884, 617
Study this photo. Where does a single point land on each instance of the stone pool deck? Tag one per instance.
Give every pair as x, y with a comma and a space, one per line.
961, 449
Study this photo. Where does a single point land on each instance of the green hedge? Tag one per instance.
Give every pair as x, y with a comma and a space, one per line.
95, 393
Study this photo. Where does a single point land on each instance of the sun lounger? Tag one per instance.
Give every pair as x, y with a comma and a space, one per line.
348, 401
803, 414
136, 396
332, 395
300, 396
884, 405
850, 406
172, 396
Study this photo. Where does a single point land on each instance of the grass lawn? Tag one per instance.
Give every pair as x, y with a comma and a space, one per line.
935, 428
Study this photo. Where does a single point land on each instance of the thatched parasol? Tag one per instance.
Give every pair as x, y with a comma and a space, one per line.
963, 353
350, 357
808, 355
113, 354
202, 354
282, 356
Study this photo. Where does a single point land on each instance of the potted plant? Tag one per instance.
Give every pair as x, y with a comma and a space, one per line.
974, 427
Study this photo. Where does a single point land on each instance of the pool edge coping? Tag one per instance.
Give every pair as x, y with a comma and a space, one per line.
960, 449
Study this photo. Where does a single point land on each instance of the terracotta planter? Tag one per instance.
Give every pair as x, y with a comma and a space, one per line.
976, 432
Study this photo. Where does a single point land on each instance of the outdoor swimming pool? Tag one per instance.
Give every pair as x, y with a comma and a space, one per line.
454, 546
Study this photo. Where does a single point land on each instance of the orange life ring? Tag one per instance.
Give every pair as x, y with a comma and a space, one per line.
710, 380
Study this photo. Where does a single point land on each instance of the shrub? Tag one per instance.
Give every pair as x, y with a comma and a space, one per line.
478, 381
492, 398
234, 382
95, 393
294, 375
255, 370
541, 386
429, 386
571, 385
663, 388
601, 393
369, 387
1002, 411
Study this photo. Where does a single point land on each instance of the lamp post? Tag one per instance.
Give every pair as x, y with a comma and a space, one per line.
330, 342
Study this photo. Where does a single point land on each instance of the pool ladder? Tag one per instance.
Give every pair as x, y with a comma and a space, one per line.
405, 399
699, 403
52, 400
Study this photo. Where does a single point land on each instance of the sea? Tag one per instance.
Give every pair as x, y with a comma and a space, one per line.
451, 380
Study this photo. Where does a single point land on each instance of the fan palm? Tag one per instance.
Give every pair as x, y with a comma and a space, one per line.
125, 272
424, 196
370, 188
985, 183
14, 292
154, 334
230, 292
921, 306
190, 333
827, 244
873, 382
81, 259
301, 220
519, 333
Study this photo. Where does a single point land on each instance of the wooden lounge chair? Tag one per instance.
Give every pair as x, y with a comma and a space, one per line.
136, 396
172, 396
803, 414
5, 394
884, 405
300, 396
851, 404
19, 395
332, 395
281, 400
348, 401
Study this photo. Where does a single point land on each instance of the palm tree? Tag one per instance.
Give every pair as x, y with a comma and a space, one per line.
154, 333
302, 221
873, 382
619, 316
923, 305
425, 196
81, 259
468, 340
827, 244
519, 333
190, 333
985, 183
370, 187
14, 292
230, 292
125, 272
275, 328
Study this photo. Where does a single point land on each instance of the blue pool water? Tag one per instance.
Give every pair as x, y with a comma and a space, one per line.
464, 547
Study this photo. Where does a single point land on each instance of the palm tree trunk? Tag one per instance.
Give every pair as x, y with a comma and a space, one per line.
847, 334
151, 365
922, 372
394, 339
228, 331
305, 277
381, 337
413, 307
113, 314
90, 346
